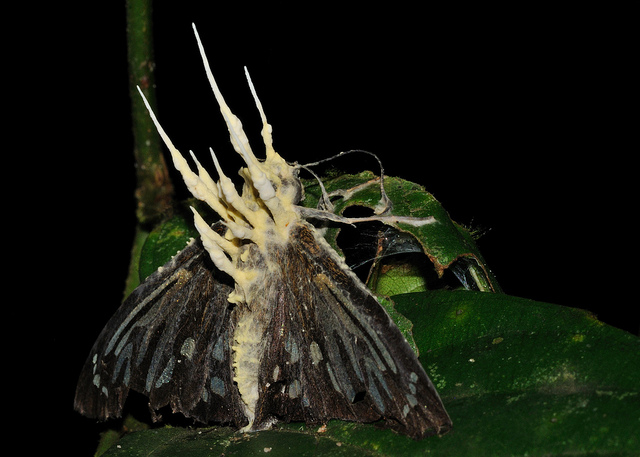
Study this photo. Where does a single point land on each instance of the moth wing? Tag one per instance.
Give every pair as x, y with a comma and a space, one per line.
169, 340
334, 352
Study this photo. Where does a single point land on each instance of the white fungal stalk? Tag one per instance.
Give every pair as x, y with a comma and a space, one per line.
264, 210
256, 220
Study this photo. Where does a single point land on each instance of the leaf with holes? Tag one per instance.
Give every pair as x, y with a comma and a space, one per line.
445, 243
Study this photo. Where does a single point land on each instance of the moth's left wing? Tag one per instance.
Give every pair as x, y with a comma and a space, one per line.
169, 340
334, 353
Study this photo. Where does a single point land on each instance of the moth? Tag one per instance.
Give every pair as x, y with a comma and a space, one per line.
259, 320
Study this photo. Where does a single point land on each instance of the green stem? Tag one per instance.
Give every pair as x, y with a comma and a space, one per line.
154, 192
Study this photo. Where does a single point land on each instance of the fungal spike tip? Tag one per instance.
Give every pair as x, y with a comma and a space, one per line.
266, 127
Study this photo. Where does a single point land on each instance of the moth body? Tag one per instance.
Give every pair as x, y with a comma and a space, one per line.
248, 349
260, 320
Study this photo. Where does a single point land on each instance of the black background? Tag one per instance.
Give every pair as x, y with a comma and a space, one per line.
512, 118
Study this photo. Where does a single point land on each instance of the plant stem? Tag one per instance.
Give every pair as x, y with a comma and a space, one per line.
154, 192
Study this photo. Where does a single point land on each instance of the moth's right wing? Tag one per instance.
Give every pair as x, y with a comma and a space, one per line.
333, 352
169, 340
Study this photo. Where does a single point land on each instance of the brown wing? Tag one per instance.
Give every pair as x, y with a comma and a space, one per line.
334, 352
170, 340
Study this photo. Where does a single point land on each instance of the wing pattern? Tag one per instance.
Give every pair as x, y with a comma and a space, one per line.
334, 353
170, 340
331, 351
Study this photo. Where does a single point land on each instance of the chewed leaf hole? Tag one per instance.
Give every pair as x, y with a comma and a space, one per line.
374, 250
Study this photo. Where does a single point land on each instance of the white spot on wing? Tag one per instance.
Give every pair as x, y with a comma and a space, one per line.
292, 348
165, 377
333, 378
218, 349
188, 347
295, 389
217, 386
316, 354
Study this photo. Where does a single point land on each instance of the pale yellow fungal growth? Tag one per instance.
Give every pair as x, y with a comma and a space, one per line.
258, 222
257, 219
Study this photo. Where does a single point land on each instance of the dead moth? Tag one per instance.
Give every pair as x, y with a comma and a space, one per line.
260, 320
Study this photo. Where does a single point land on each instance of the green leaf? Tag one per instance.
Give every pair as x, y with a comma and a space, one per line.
223, 441
518, 377
133, 276
170, 237
444, 242
164, 242
404, 325
110, 437
397, 277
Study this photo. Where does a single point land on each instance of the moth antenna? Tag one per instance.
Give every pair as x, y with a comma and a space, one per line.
384, 205
238, 137
324, 202
267, 129
196, 186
